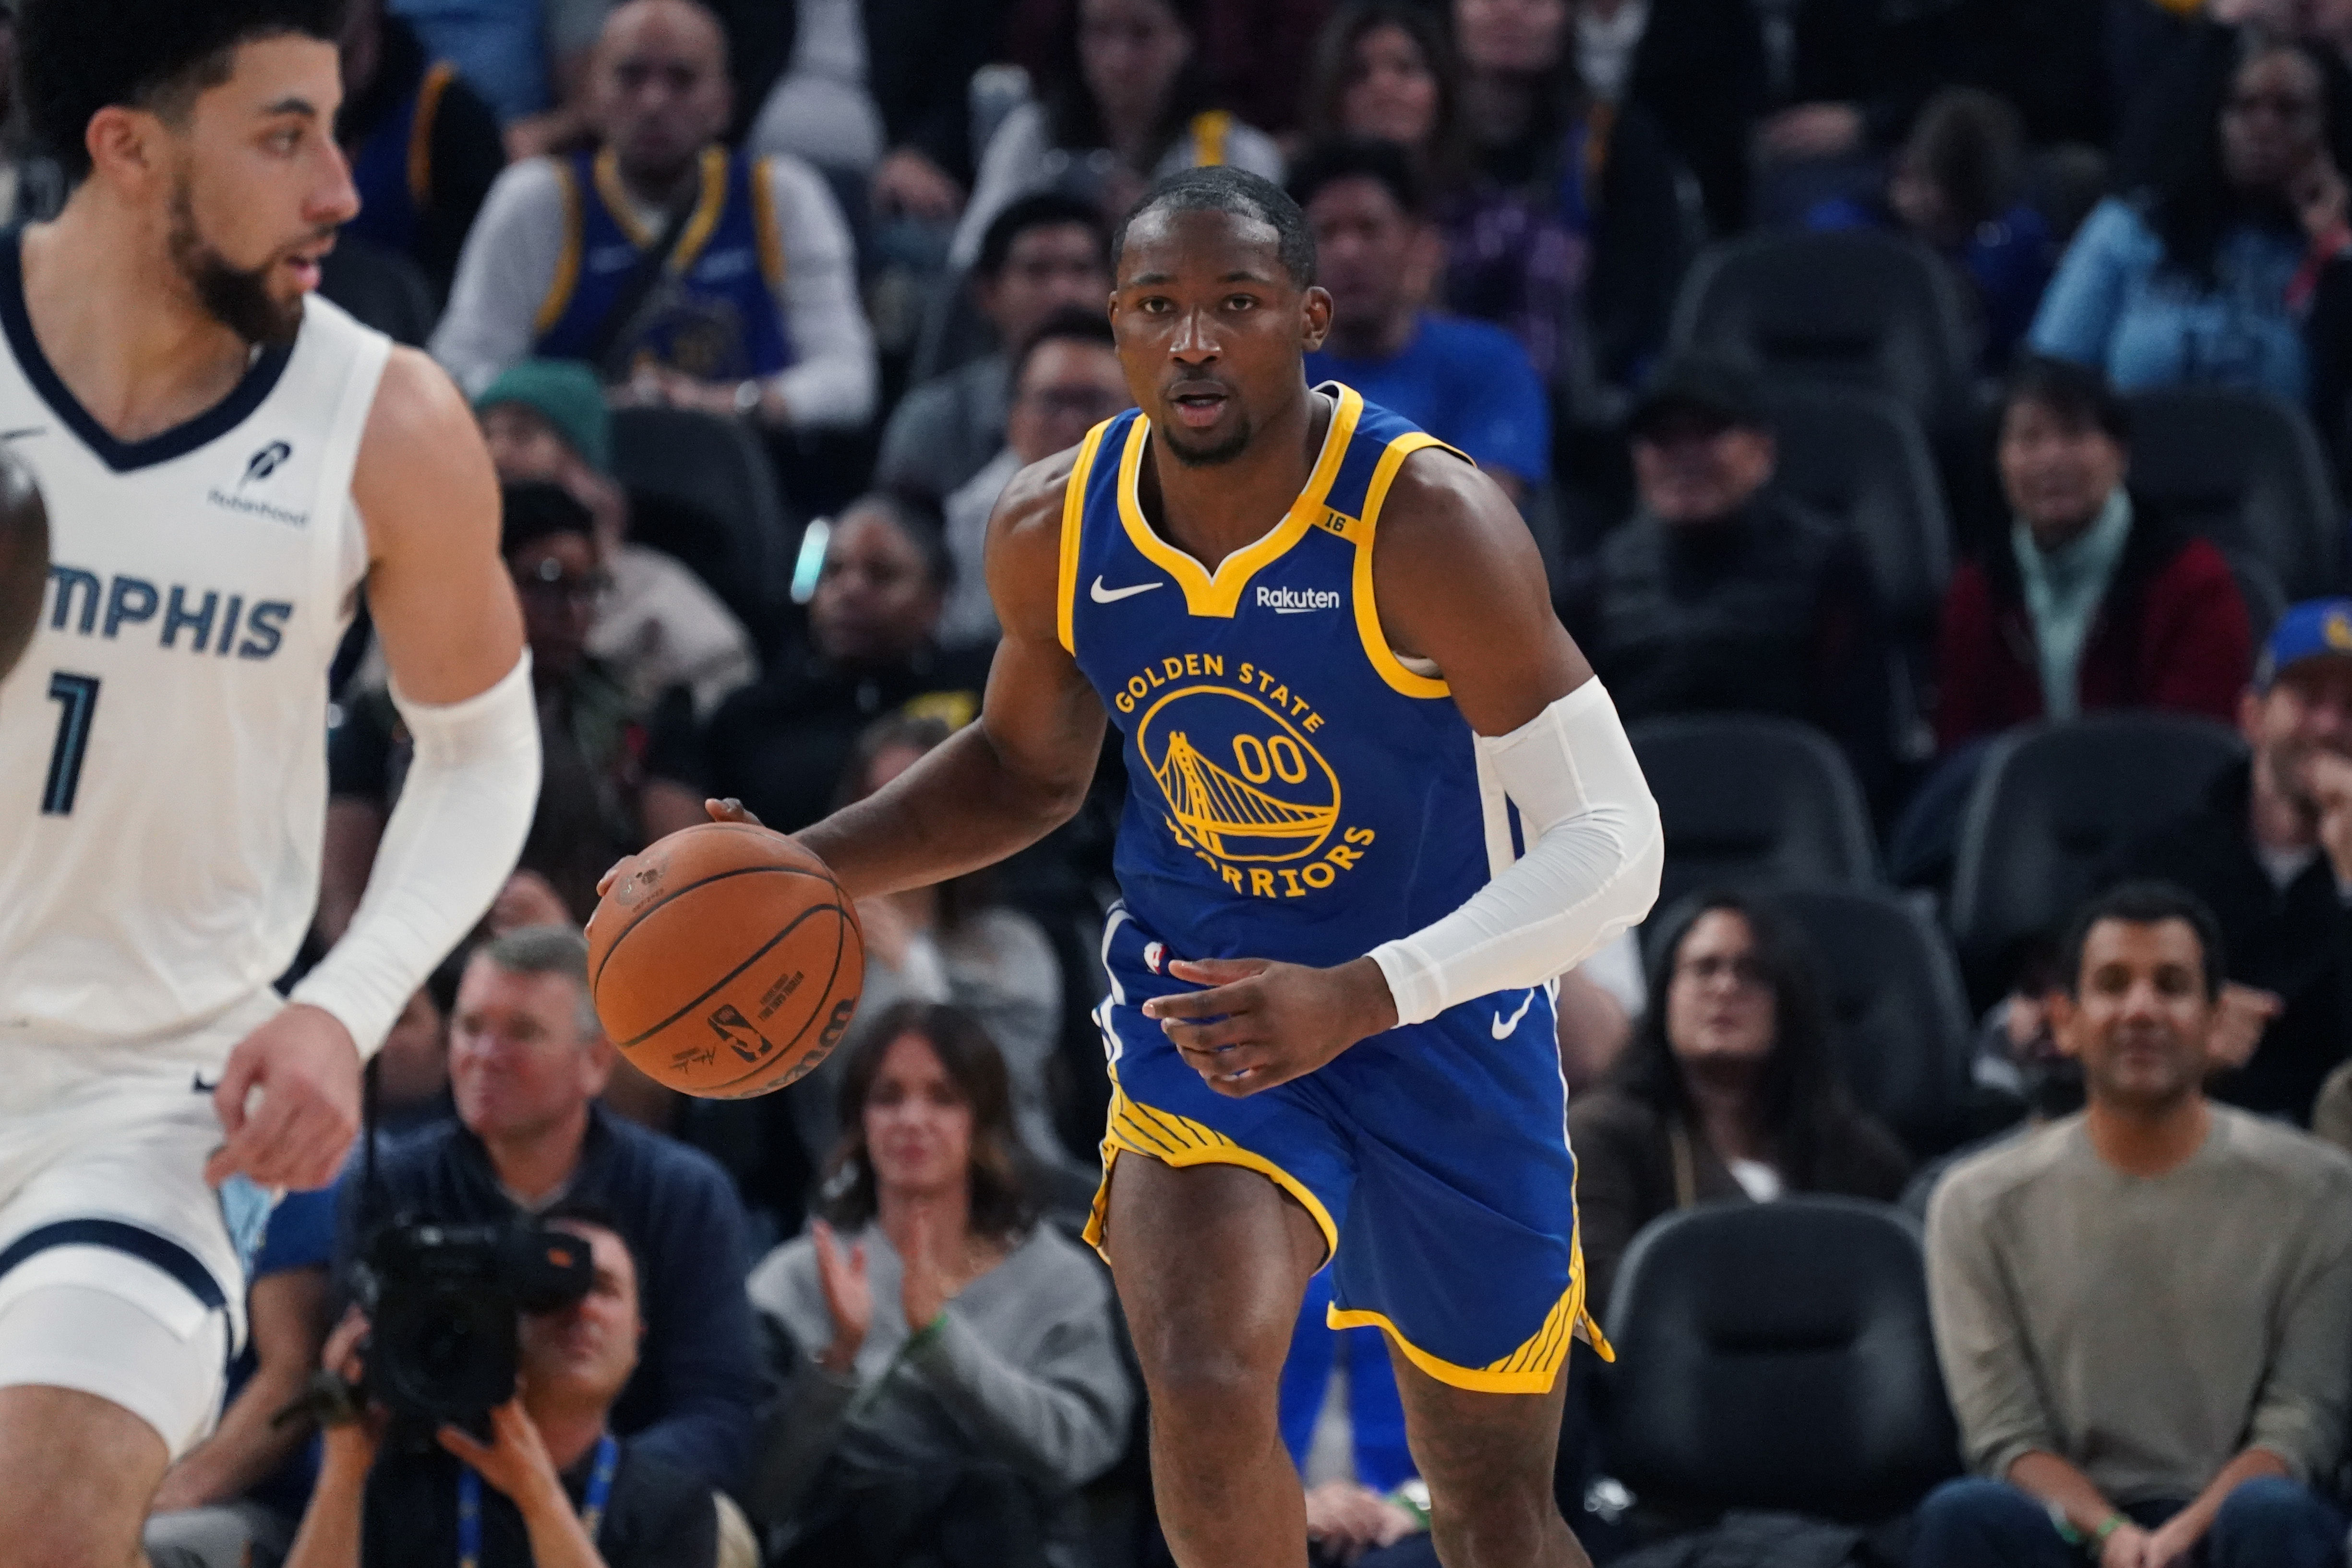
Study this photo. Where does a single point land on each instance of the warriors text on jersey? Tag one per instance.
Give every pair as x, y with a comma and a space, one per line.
163, 762
1297, 791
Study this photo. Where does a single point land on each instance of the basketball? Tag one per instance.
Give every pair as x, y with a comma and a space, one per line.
725, 961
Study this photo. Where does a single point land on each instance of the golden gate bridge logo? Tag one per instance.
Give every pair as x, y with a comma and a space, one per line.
1239, 779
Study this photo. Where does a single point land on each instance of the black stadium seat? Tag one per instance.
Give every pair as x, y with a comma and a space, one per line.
1860, 308
1897, 1010
1777, 1356
2051, 803
2244, 469
705, 493
1752, 800
1858, 455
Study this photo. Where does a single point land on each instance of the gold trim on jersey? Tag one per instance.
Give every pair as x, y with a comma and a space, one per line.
1368, 609
1220, 594
1210, 128
1181, 1142
708, 206
420, 131
1532, 1368
1073, 515
766, 230
567, 261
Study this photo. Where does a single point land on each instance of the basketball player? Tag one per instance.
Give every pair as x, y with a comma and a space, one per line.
24, 559
1377, 802
225, 461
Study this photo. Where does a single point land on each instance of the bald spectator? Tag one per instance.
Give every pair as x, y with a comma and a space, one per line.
1044, 253
688, 276
1064, 382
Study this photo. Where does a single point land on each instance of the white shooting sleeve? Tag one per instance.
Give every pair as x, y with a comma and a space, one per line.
447, 850
1594, 852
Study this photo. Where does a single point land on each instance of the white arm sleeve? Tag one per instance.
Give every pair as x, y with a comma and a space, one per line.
1595, 848
446, 851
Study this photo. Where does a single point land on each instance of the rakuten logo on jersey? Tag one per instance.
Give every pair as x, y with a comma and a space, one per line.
1296, 601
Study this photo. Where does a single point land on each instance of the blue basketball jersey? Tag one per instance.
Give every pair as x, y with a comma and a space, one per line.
1294, 791
714, 314
393, 169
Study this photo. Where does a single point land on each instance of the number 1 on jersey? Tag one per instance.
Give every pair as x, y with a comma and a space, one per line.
77, 700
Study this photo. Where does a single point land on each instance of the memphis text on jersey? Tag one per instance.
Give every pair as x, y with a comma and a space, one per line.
1243, 785
201, 621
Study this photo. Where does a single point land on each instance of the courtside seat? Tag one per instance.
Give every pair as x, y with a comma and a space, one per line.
2244, 469
706, 494
1749, 800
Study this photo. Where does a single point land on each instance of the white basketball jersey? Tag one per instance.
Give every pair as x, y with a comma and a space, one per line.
162, 742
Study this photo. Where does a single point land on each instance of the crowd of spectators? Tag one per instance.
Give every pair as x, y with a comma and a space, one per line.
761, 304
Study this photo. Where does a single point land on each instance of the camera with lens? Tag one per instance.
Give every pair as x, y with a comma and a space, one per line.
444, 1304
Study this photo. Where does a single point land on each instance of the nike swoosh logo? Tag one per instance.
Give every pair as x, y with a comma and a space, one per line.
200, 1086
1502, 1030
1102, 595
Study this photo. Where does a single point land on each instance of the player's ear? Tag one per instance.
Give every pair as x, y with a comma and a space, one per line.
1314, 316
125, 145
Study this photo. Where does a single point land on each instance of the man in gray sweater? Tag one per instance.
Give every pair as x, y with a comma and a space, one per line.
2144, 1311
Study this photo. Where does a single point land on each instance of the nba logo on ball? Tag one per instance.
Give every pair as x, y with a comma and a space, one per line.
1153, 953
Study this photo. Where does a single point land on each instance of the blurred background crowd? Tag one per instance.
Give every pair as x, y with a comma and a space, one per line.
1932, 415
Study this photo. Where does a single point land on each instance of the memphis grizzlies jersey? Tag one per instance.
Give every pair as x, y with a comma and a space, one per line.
162, 742
1294, 790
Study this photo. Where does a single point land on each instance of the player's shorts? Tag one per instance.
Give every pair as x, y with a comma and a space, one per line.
1435, 1156
123, 1273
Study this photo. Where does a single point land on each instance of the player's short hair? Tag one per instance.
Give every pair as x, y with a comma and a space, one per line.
1038, 210
547, 950
1070, 324
1384, 163
2143, 902
1226, 189
75, 58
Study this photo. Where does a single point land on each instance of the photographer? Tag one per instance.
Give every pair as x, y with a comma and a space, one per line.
551, 1489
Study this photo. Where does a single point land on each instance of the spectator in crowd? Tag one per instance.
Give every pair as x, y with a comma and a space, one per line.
953, 942
1722, 595
528, 58
412, 1071
880, 90
2207, 279
1255, 50
949, 1366
691, 277
2270, 851
557, 1482
1570, 235
660, 626
1697, 68
1066, 381
1126, 100
2144, 1311
2093, 600
423, 145
1728, 1089
589, 735
1385, 70
1956, 185
2174, 98
781, 743
1466, 382
236, 1498
1041, 253
527, 1059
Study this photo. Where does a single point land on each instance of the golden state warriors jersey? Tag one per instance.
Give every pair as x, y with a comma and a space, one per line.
162, 753
1294, 790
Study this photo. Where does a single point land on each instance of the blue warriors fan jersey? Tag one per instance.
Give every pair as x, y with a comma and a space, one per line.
1297, 792
714, 313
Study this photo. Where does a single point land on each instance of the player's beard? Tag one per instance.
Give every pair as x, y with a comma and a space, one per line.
1225, 450
240, 301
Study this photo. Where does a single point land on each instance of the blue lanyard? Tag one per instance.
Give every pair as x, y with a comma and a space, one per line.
592, 1506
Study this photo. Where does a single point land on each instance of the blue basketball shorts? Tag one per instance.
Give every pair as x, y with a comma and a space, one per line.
1434, 1156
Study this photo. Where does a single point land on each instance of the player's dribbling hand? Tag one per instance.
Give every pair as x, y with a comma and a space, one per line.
1262, 1023
306, 1070
728, 810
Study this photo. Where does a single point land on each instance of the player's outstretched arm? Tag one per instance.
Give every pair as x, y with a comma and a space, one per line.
1457, 582
452, 634
1022, 769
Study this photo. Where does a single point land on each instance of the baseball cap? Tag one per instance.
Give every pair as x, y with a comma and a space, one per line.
1701, 383
567, 396
2311, 630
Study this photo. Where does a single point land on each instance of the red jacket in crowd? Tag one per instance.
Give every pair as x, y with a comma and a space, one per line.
2171, 633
